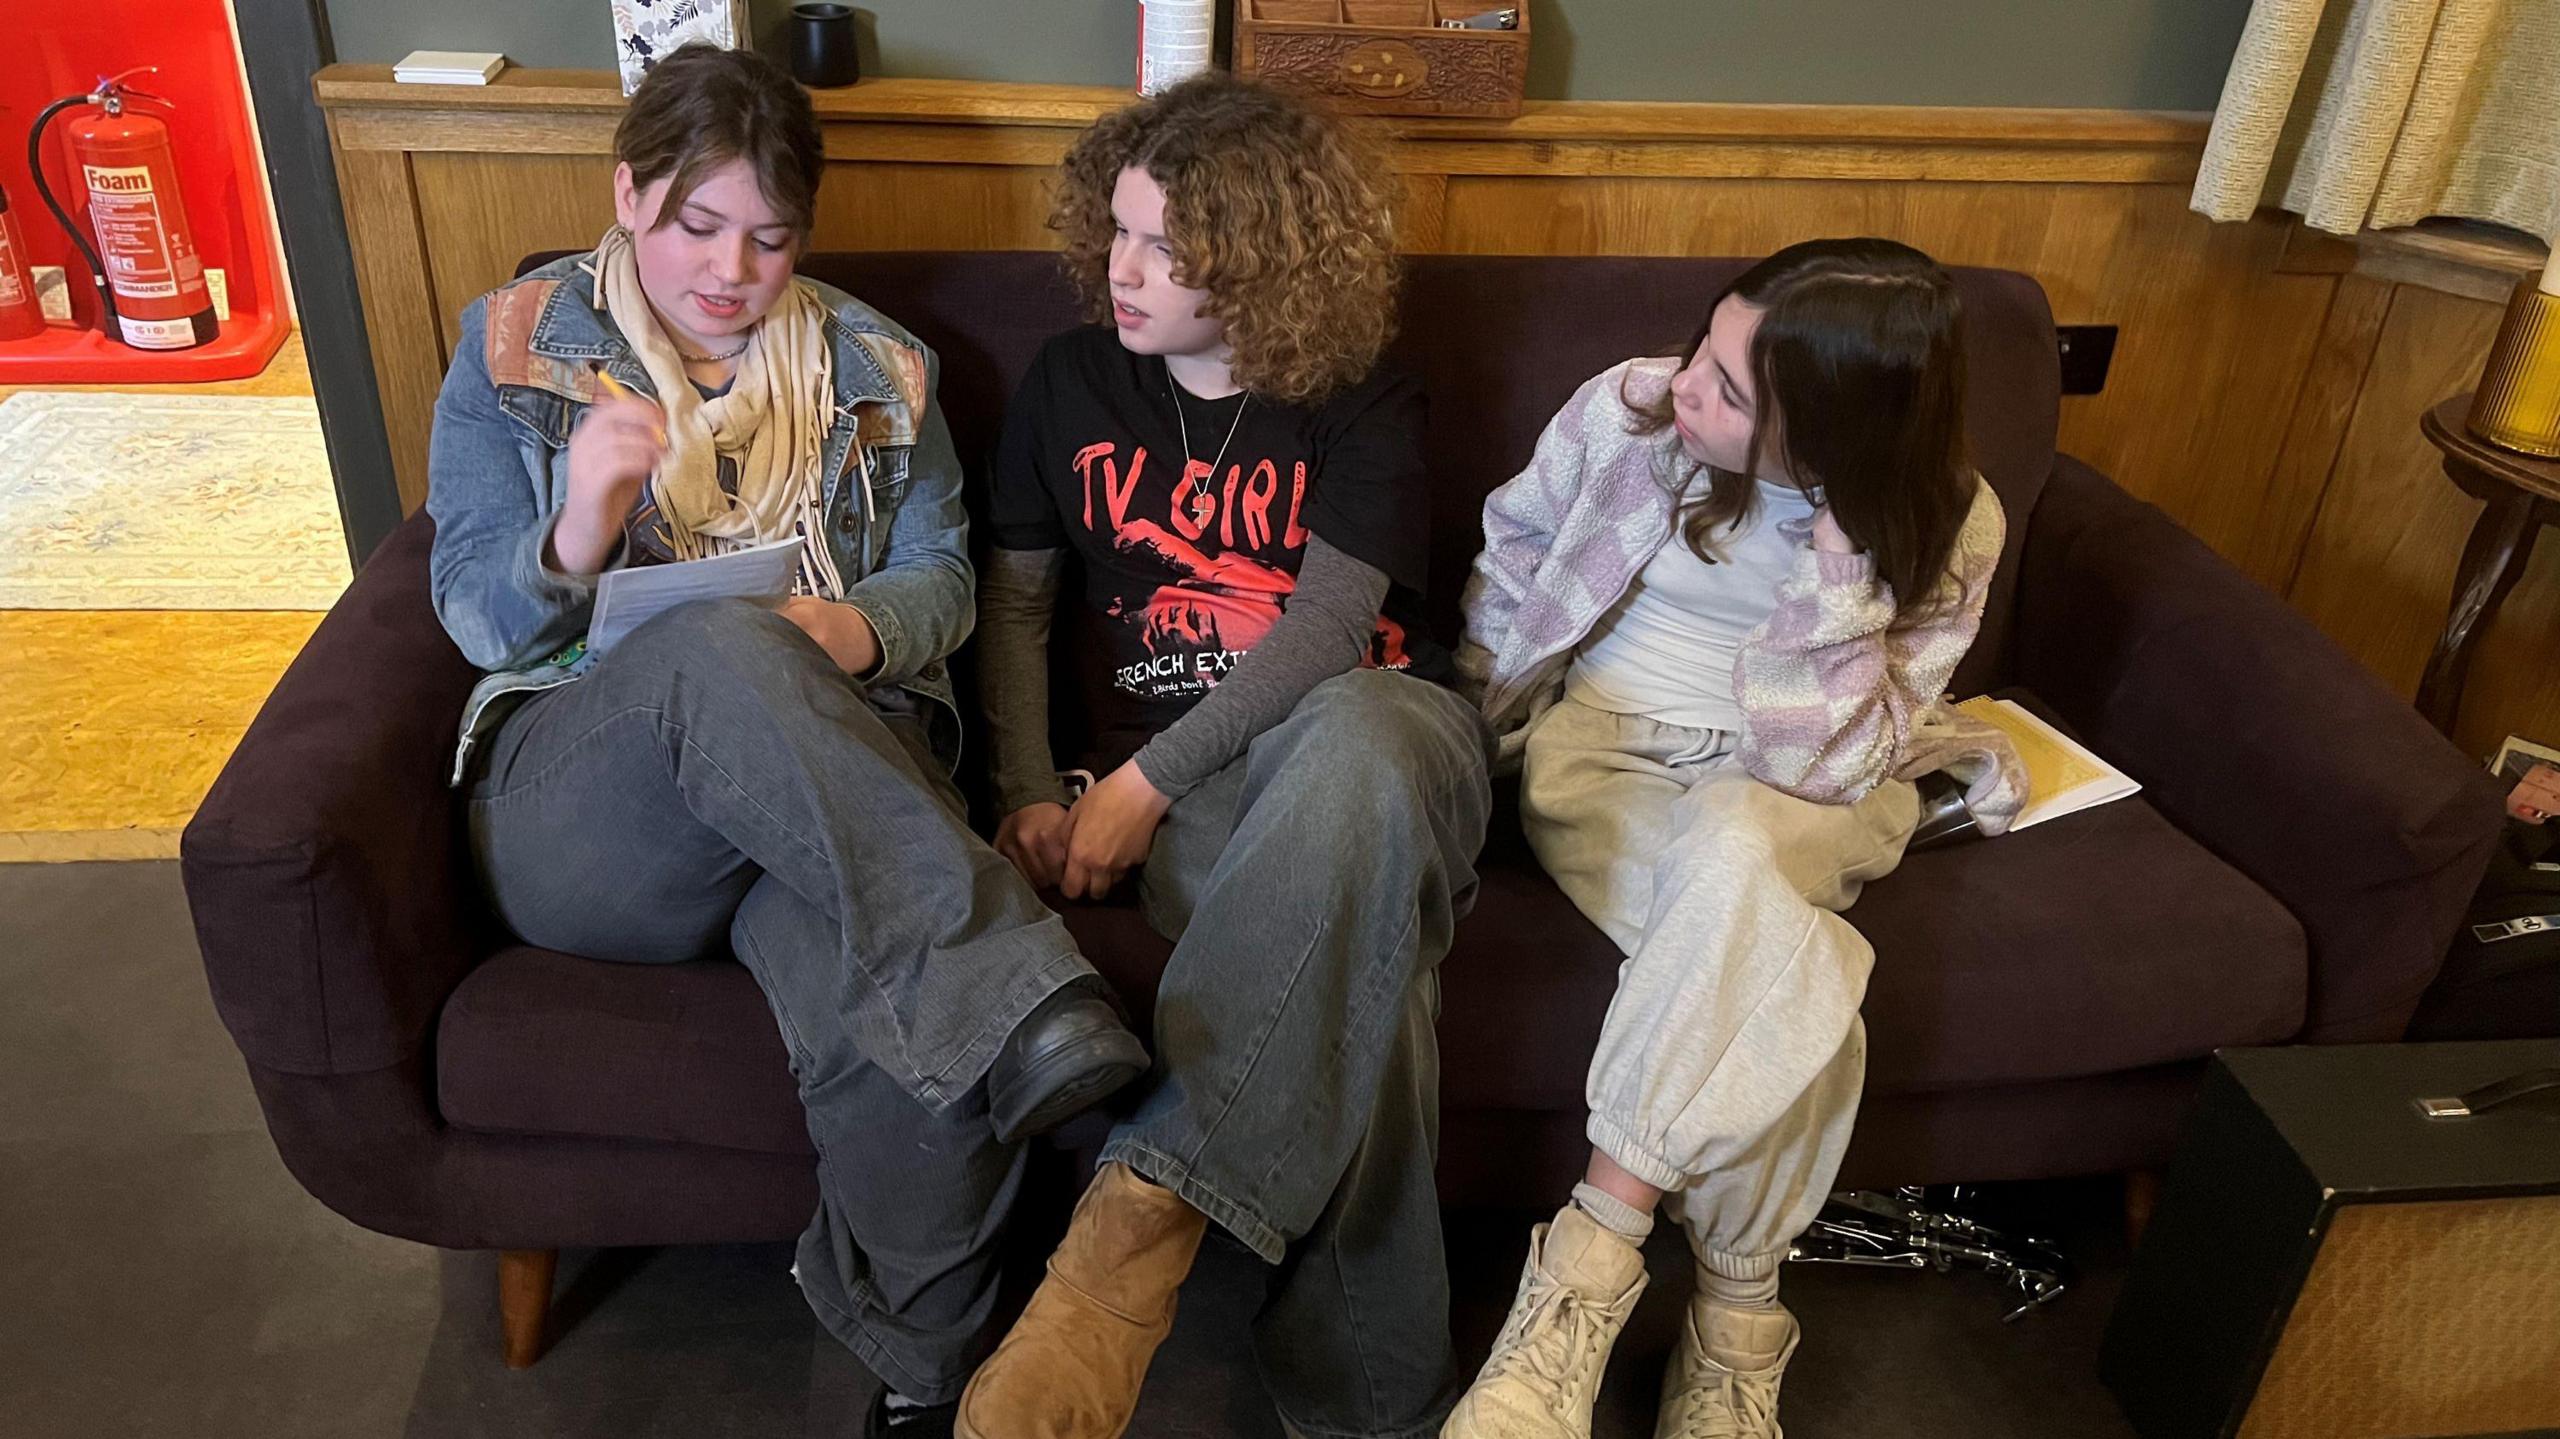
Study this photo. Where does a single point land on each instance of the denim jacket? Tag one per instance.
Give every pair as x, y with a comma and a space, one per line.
498, 474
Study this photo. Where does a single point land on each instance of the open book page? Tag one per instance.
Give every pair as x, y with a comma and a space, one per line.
2063, 777
625, 599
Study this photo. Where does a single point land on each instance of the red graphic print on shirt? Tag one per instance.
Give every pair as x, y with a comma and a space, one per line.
1227, 564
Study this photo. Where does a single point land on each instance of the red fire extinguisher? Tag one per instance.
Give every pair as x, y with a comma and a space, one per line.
151, 288
20, 315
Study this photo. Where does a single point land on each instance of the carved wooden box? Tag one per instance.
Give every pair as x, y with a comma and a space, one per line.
1386, 57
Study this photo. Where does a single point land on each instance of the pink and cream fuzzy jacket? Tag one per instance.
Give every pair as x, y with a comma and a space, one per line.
1839, 691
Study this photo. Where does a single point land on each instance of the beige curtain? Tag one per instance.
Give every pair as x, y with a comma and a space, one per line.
2357, 113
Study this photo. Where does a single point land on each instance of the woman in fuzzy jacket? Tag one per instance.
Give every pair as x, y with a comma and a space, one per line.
1712, 620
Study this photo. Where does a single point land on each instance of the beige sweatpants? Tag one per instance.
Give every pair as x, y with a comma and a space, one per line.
1730, 1064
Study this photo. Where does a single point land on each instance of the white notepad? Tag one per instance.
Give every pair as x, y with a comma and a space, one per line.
625, 599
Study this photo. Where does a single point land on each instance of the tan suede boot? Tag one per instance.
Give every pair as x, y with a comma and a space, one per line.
1073, 1365
1579, 1286
1722, 1382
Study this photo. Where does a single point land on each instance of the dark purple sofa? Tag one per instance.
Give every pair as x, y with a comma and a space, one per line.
2041, 1003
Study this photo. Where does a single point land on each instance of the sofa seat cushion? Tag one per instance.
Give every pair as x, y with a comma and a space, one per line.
2099, 942
2102, 941
2105, 941
539, 1042
2095, 943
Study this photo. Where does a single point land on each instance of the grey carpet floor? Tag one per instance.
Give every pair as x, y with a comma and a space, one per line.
161, 1273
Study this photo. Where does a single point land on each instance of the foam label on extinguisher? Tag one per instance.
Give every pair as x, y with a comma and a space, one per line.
132, 237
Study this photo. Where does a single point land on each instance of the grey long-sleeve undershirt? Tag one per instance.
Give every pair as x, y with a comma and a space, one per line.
1325, 631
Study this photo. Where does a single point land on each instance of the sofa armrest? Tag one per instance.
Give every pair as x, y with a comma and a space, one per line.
2261, 739
323, 869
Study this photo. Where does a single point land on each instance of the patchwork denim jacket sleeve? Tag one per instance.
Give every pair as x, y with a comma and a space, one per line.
488, 488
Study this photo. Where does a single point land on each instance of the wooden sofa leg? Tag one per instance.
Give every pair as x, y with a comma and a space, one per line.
524, 1300
2141, 1196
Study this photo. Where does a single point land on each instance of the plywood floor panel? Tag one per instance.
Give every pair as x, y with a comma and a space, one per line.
116, 722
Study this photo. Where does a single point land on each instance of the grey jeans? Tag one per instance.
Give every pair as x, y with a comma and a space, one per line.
717, 785
1311, 888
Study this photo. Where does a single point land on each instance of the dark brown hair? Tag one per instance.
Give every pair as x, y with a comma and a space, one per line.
1860, 350
1282, 212
703, 107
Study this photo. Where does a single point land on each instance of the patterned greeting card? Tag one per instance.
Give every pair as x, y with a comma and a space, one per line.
646, 31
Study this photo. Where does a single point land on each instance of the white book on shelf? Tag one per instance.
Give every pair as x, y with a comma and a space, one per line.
449, 67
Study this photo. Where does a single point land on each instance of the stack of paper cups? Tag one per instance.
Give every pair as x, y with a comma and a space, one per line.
1173, 41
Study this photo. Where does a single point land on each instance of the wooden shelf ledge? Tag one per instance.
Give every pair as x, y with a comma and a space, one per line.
2458, 257
997, 103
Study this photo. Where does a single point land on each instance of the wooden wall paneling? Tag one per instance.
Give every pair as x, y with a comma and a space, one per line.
2316, 252
2349, 336
399, 297
1426, 213
1804, 160
2212, 349
485, 212
1649, 215
1031, 146
2003, 226
933, 207
2378, 570
421, 129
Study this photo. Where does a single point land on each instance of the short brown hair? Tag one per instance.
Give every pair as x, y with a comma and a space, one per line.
1282, 212
703, 107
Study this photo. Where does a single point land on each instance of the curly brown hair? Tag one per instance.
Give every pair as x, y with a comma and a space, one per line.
1284, 213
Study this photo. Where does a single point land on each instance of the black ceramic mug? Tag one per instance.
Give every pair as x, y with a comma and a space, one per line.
822, 46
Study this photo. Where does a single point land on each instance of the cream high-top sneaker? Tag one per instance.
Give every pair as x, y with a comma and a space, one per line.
1722, 1382
1579, 1286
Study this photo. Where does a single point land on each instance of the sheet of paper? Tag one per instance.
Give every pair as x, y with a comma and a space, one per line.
625, 599
2062, 777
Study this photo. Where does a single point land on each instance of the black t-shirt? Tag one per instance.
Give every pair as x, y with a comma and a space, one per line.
1187, 567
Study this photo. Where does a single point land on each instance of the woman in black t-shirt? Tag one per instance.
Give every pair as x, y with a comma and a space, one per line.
1236, 481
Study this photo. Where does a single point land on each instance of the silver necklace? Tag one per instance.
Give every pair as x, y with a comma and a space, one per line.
693, 359
1175, 388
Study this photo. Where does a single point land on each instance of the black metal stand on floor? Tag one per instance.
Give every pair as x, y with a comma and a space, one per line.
1916, 1228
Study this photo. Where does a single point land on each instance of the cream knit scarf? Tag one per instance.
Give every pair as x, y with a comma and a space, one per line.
772, 423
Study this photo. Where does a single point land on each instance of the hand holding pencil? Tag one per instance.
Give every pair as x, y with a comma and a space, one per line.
616, 446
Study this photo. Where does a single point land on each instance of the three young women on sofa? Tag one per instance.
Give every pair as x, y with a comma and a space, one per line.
1711, 616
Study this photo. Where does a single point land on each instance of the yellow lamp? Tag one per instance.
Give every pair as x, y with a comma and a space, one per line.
2518, 404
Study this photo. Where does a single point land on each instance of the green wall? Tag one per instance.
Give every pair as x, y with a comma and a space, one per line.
2129, 54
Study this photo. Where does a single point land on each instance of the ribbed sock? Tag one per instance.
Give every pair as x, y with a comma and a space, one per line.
1613, 1214
1760, 1293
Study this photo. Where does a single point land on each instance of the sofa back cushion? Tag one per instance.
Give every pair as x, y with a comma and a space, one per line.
1499, 343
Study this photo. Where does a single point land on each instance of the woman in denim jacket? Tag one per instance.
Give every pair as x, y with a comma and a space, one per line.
773, 783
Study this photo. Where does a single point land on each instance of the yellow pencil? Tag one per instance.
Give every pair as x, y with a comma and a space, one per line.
620, 391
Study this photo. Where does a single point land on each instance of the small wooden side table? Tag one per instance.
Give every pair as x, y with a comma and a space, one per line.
2522, 494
